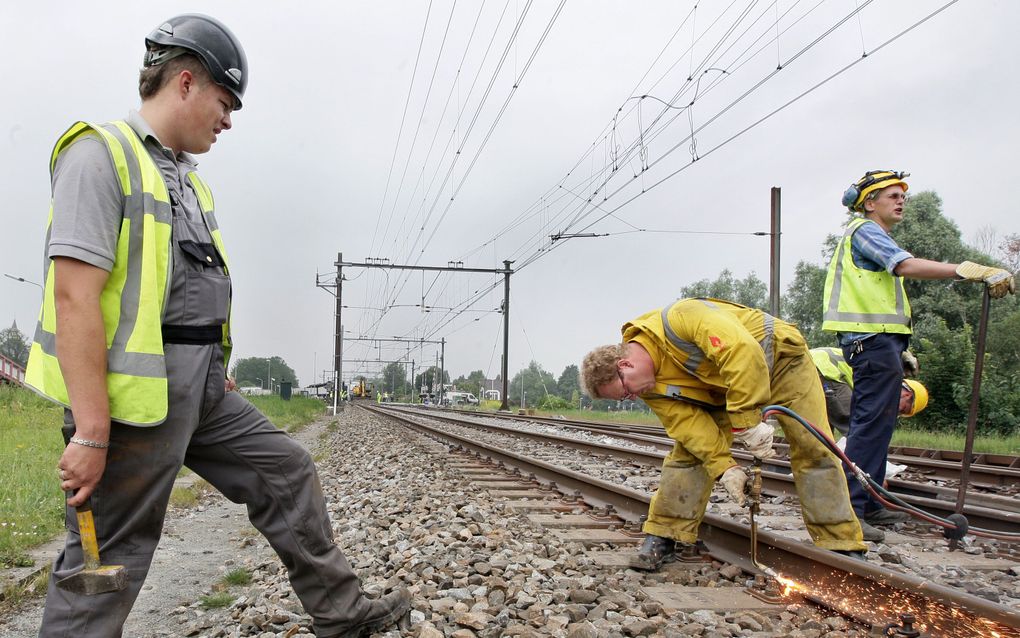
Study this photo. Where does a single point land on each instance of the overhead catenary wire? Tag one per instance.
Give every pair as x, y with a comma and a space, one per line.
482, 101
549, 206
730, 30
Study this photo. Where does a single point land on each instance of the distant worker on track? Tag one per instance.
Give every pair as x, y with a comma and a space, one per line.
838, 383
707, 367
134, 337
866, 305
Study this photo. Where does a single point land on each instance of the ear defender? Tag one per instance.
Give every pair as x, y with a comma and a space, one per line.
850, 195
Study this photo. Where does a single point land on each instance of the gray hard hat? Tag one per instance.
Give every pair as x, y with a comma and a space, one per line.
208, 39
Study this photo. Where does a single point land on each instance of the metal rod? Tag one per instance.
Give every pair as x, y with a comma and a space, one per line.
975, 398
430, 268
506, 332
774, 251
338, 337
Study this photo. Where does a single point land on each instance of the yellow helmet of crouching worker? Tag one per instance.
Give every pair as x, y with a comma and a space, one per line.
853, 197
920, 396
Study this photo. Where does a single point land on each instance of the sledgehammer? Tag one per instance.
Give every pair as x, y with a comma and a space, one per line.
93, 578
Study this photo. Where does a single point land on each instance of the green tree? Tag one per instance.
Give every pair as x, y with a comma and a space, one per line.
802, 304
535, 382
471, 383
14, 345
749, 291
568, 386
393, 379
429, 379
256, 371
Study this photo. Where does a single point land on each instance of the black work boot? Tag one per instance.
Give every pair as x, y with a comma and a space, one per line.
382, 612
655, 551
886, 516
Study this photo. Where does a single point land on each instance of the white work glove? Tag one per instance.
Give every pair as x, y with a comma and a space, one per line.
1000, 282
910, 365
735, 482
757, 440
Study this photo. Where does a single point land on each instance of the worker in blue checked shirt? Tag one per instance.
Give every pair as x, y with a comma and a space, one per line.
867, 306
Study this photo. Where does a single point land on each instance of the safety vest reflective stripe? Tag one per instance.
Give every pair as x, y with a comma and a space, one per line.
695, 355
832, 365
768, 341
859, 300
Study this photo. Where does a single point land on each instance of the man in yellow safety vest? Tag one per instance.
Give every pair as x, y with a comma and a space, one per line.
866, 304
133, 340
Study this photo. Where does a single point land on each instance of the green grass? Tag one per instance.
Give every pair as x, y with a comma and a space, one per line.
31, 503
237, 576
293, 415
1001, 444
217, 600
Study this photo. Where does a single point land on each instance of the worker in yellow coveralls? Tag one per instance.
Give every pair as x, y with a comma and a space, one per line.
707, 367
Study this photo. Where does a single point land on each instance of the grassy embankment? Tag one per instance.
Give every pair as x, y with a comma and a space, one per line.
31, 505
903, 436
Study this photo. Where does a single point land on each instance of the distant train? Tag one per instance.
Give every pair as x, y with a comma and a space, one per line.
362, 390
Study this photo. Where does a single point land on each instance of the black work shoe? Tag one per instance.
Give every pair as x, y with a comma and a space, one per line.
886, 517
382, 612
655, 551
852, 553
872, 534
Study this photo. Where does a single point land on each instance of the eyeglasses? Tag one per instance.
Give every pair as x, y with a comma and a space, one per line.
627, 394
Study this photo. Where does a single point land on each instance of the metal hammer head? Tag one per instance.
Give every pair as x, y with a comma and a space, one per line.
89, 582
93, 578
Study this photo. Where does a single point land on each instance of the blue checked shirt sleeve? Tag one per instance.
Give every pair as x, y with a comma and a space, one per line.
873, 249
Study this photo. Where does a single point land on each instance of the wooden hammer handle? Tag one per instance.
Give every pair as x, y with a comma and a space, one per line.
87, 532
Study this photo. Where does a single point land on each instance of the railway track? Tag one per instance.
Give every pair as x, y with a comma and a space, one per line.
563, 472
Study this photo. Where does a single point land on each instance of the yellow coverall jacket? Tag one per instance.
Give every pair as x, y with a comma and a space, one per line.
717, 364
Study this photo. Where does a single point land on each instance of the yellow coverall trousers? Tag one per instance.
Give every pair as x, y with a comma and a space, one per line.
679, 504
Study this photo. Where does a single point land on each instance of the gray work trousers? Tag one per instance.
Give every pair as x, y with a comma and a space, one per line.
230, 444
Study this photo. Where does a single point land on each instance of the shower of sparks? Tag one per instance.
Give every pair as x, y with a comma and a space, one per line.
880, 605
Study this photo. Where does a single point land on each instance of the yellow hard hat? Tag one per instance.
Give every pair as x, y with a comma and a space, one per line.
853, 197
920, 396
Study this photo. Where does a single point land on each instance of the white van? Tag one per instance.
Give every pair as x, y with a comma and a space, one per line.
460, 398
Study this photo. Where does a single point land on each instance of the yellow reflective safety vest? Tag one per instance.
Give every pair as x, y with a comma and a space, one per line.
832, 365
713, 353
134, 297
859, 300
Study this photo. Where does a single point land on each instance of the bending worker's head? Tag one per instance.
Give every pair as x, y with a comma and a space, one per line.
913, 397
621, 371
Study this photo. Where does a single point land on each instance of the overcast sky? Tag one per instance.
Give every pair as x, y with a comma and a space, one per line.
393, 130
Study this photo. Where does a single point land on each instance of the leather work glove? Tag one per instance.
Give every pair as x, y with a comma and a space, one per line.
735, 482
757, 440
910, 365
999, 281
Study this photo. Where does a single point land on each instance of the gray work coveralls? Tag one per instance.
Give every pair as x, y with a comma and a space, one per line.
217, 434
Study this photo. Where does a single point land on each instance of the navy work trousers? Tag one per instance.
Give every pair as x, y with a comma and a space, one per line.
878, 376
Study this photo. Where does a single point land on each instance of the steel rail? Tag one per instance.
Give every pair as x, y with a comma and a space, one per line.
864, 591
